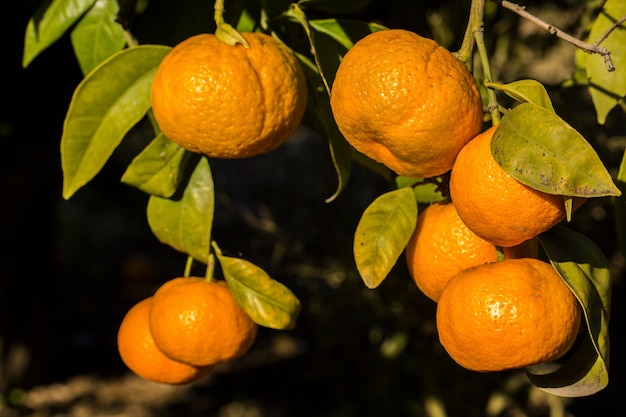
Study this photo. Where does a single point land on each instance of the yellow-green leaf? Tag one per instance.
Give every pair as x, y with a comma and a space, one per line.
268, 302
382, 234
525, 91
541, 150
185, 222
97, 35
158, 169
586, 271
608, 88
49, 24
111, 99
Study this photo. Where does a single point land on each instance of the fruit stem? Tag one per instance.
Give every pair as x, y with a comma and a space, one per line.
475, 22
210, 268
224, 31
492, 105
188, 265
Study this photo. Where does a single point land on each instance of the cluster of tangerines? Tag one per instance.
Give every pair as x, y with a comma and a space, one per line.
411, 105
186, 327
224, 101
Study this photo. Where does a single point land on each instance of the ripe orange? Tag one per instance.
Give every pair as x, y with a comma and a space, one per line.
508, 314
138, 351
198, 322
228, 101
406, 102
493, 204
442, 246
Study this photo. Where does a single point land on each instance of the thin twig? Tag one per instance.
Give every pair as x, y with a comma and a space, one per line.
594, 48
611, 29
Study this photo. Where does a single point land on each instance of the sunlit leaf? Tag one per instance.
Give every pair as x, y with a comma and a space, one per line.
525, 91
541, 150
158, 169
607, 89
185, 223
268, 302
382, 234
586, 271
112, 99
49, 24
97, 35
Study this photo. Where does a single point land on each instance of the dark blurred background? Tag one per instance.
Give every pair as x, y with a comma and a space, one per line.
71, 269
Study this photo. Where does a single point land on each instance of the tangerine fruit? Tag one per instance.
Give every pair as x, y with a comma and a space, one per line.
138, 351
493, 204
406, 102
442, 246
505, 315
198, 322
229, 101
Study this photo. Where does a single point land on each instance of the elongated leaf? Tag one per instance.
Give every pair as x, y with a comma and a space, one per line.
346, 32
587, 272
525, 91
48, 25
97, 35
268, 302
106, 105
158, 169
382, 234
186, 223
541, 150
607, 89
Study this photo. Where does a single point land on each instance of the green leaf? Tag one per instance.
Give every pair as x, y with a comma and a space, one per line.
541, 150
382, 234
607, 89
105, 106
185, 223
586, 271
97, 35
425, 192
158, 169
49, 24
525, 91
268, 302
334, 6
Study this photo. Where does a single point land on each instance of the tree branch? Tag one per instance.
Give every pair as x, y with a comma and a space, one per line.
594, 48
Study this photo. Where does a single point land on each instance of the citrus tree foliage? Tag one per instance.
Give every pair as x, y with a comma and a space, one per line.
532, 143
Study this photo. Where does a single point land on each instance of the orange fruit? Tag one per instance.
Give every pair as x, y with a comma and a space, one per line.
493, 204
229, 101
442, 246
406, 102
508, 314
198, 322
138, 351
